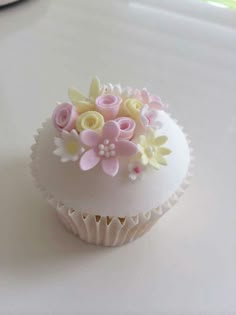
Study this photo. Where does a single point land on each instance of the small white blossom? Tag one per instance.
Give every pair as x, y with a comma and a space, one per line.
136, 170
68, 146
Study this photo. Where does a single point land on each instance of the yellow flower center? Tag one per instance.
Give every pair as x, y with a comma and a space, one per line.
150, 150
138, 105
90, 122
72, 147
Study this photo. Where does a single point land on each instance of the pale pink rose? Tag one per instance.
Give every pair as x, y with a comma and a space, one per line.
64, 117
108, 105
127, 126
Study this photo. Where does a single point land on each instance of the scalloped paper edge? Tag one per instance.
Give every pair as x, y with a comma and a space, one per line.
109, 231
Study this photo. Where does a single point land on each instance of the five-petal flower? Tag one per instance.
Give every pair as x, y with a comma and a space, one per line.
149, 117
105, 148
153, 101
136, 170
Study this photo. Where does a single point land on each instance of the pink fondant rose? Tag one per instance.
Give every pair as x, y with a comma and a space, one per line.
127, 126
64, 117
105, 148
108, 105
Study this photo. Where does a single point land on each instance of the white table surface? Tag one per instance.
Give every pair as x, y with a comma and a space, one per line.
185, 51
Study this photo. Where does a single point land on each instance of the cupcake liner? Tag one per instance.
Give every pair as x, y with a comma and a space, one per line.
109, 231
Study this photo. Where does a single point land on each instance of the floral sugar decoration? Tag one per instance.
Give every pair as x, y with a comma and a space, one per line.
110, 123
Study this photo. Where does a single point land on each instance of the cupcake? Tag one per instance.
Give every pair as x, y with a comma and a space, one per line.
111, 163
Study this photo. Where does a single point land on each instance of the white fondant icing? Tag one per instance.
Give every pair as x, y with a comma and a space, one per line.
94, 192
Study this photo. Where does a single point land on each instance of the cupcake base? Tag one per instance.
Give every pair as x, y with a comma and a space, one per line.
108, 231
104, 230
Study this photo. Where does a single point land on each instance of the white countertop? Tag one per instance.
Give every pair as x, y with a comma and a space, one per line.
186, 52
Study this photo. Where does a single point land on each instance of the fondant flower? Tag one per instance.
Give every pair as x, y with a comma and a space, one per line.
83, 103
64, 117
151, 150
127, 126
105, 148
108, 105
153, 101
132, 107
117, 90
68, 146
149, 117
89, 120
136, 170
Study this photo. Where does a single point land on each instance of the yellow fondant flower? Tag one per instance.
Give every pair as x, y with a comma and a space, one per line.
83, 103
132, 107
89, 120
151, 150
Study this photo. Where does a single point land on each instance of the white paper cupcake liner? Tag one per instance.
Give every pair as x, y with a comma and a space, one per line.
109, 231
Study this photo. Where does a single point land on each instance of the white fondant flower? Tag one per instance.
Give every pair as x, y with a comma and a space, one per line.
117, 90
149, 117
136, 170
68, 146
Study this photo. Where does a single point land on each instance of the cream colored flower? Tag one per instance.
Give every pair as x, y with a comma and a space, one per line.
68, 146
131, 107
83, 103
117, 90
151, 150
89, 120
